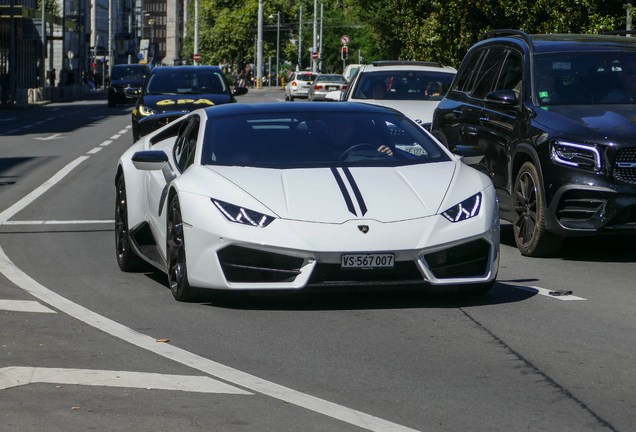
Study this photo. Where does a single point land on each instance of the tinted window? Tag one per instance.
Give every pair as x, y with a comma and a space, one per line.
485, 77
511, 77
404, 85
331, 78
291, 140
306, 77
585, 78
130, 72
466, 73
186, 82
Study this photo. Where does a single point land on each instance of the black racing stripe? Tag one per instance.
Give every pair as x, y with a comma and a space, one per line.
356, 191
344, 191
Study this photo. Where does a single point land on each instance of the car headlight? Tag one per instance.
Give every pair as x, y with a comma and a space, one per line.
577, 155
464, 210
242, 215
145, 111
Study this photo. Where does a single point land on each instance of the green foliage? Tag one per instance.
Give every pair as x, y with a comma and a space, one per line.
439, 30
51, 7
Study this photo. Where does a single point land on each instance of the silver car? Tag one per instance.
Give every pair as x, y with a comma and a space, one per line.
324, 84
299, 86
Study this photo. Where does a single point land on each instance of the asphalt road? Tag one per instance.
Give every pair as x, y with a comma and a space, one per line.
84, 346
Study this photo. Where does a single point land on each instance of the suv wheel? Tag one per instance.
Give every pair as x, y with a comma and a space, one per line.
531, 235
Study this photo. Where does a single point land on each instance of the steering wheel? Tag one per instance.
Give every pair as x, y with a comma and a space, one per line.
345, 154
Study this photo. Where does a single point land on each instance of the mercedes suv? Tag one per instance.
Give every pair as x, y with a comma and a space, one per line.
555, 116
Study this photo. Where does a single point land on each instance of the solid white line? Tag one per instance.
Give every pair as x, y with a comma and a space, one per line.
17, 376
546, 292
24, 306
15, 208
105, 143
226, 373
60, 222
95, 150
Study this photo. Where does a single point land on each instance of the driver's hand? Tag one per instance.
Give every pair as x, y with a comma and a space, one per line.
385, 149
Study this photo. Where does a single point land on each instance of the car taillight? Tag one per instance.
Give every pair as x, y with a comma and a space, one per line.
317, 87
344, 86
294, 84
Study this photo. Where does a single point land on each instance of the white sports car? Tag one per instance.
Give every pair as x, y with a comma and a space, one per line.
274, 196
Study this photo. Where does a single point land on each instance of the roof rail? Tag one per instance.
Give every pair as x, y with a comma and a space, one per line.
507, 32
406, 63
619, 32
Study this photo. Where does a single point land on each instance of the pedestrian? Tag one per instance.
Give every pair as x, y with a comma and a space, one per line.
241, 77
52, 77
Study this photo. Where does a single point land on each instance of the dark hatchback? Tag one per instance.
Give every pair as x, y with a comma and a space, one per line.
172, 91
126, 82
555, 116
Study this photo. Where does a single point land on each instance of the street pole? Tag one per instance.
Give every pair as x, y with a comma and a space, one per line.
300, 40
321, 11
259, 60
196, 30
277, 46
314, 66
110, 40
44, 50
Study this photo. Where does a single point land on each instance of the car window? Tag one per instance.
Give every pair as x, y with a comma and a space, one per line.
130, 72
403, 85
465, 79
585, 78
331, 78
306, 77
185, 146
511, 77
291, 140
186, 82
487, 74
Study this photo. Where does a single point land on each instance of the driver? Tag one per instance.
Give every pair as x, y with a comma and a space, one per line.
341, 133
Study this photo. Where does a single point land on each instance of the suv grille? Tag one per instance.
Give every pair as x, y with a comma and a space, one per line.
627, 175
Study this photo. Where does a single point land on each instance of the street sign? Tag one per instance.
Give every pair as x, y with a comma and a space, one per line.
140, 55
344, 39
315, 55
197, 57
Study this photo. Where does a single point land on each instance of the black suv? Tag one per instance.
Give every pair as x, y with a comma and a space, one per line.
126, 82
555, 116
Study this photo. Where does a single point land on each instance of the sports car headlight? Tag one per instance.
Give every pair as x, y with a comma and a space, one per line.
242, 215
577, 155
145, 111
464, 210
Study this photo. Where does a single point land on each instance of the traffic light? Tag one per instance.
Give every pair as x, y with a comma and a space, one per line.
345, 53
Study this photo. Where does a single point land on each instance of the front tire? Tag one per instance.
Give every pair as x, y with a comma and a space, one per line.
177, 263
529, 215
126, 258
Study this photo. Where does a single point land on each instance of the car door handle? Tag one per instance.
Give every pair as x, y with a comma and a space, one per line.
471, 130
457, 114
484, 119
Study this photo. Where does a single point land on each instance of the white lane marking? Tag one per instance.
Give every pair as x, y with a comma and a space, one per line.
218, 370
546, 292
114, 137
95, 150
18, 376
128, 127
105, 143
60, 222
28, 199
123, 131
55, 136
24, 306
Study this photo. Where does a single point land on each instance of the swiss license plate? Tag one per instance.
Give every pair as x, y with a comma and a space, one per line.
367, 261
331, 87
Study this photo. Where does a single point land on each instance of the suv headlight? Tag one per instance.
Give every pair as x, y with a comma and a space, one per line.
242, 215
576, 155
145, 111
464, 210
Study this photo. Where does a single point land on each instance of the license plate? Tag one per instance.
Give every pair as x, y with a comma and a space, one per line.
367, 261
331, 88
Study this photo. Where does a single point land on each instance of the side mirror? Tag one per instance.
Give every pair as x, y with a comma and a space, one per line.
239, 91
154, 160
502, 98
471, 155
333, 96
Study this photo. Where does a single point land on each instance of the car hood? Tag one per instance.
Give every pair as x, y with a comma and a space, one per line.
336, 195
418, 110
184, 102
135, 83
614, 123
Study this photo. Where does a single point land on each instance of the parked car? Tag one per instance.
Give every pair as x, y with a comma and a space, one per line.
554, 115
299, 86
413, 88
126, 82
172, 91
276, 196
325, 83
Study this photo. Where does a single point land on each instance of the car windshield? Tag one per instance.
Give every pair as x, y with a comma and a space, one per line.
186, 82
295, 140
404, 85
306, 77
585, 78
331, 78
129, 72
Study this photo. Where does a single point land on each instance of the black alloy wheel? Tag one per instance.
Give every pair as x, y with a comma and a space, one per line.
126, 258
530, 233
177, 264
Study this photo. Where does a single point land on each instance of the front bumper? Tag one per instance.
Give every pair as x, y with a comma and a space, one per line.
293, 255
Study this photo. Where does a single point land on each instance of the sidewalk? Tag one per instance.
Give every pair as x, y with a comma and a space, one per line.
55, 97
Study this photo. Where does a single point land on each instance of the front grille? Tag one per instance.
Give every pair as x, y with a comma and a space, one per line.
403, 271
247, 265
576, 208
627, 175
466, 260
